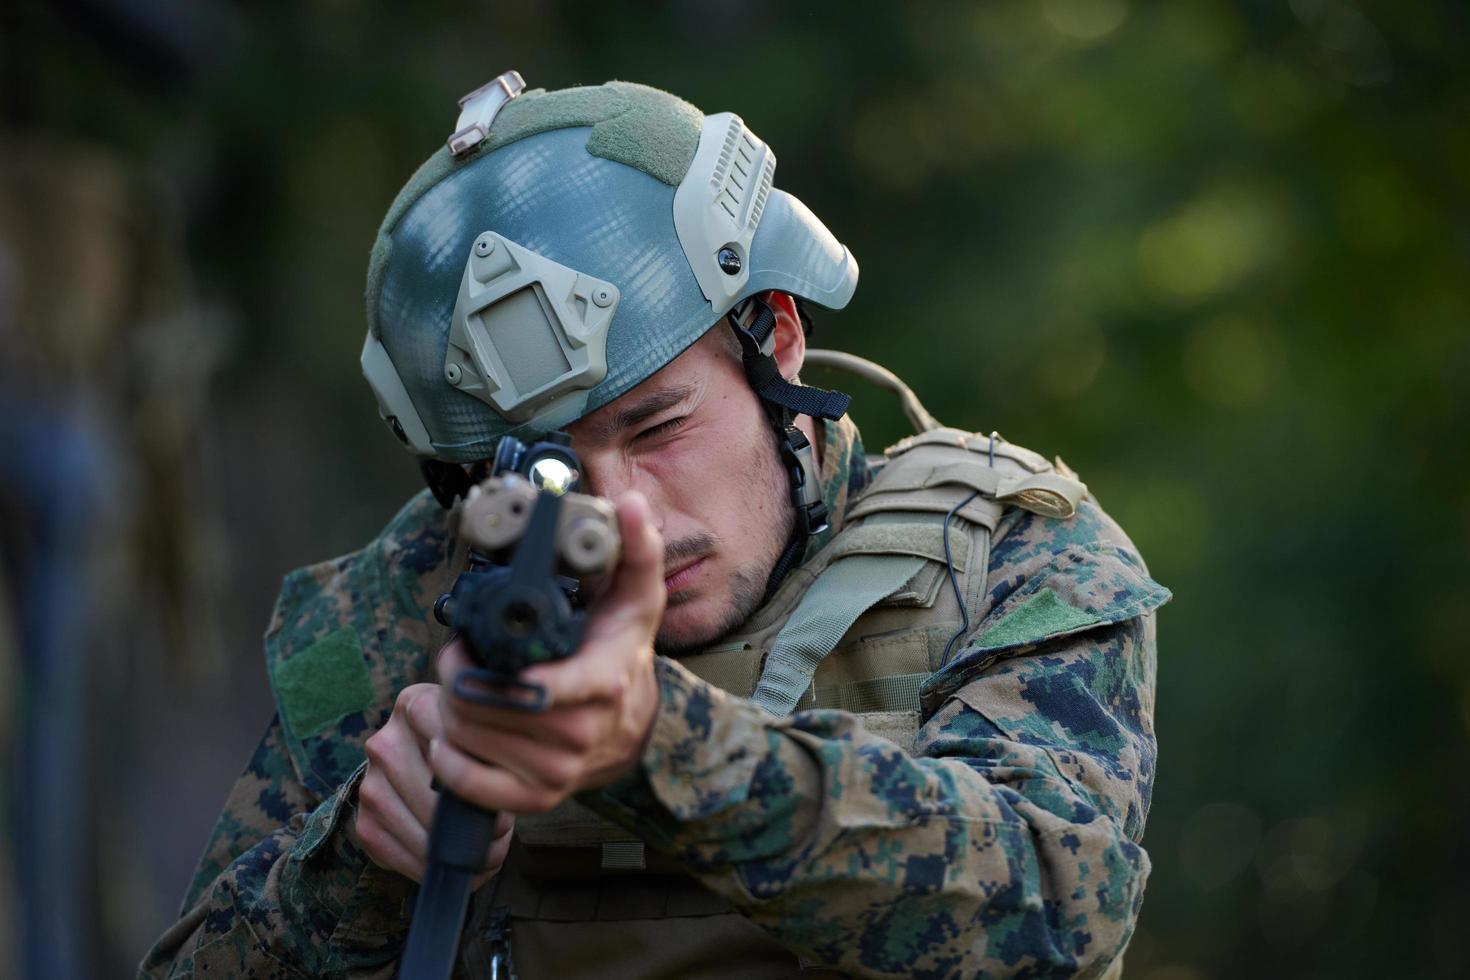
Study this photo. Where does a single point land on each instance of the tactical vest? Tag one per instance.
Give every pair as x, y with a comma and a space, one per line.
859, 627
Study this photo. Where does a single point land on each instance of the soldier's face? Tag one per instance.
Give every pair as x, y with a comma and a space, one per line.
694, 440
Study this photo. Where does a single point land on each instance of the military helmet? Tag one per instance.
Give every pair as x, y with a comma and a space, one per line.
562, 248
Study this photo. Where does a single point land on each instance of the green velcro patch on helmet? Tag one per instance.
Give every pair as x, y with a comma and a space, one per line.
323, 684
635, 125
1039, 617
644, 128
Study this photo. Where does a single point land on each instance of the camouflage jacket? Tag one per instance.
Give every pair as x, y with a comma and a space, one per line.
1005, 844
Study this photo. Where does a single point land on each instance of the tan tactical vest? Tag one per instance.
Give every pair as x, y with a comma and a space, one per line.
858, 627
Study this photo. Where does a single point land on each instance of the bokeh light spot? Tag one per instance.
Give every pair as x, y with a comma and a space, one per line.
1209, 244
1355, 49
1312, 853
1217, 843
1301, 862
1227, 361
1085, 20
1204, 30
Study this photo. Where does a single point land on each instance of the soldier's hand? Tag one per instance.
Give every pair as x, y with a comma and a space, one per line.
395, 801
602, 700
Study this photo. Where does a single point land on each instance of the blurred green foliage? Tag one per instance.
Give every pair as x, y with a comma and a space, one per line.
1213, 254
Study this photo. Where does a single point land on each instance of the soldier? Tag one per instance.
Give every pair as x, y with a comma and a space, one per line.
836, 714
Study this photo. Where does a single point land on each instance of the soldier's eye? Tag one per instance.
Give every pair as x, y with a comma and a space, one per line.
663, 428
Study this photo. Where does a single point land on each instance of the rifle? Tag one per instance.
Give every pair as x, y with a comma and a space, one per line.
537, 546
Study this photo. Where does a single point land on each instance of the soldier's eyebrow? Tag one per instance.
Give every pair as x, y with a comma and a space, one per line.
644, 409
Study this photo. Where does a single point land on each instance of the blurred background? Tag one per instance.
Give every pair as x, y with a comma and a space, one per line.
1212, 253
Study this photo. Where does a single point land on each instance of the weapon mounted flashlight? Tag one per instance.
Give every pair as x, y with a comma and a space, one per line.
550, 464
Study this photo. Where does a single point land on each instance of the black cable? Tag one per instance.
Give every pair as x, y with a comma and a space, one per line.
954, 581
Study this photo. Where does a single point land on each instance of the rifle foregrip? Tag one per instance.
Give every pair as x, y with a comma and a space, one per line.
461, 834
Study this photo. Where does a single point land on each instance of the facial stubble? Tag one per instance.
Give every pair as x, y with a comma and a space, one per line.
747, 583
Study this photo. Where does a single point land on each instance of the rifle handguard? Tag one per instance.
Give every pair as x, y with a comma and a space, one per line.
497, 512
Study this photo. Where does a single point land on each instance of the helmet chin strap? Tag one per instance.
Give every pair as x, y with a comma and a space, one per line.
754, 323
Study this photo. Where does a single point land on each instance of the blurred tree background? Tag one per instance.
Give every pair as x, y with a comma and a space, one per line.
1212, 253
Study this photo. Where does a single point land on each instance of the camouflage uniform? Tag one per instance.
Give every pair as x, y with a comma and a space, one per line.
1005, 843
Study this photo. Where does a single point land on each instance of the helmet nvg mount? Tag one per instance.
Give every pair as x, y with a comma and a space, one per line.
562, 248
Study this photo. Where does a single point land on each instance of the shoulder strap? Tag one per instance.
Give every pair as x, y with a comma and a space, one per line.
873, 557
846, 590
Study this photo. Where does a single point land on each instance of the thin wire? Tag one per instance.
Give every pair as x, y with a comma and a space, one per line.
954, 581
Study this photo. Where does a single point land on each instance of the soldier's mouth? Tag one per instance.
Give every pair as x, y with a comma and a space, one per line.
682, 577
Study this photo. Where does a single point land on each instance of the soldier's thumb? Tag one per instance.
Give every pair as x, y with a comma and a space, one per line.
638, 585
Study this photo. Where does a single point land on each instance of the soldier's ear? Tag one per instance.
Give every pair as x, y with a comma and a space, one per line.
790, 337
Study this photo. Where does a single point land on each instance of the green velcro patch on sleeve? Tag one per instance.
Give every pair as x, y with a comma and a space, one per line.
323, 684
1040, 616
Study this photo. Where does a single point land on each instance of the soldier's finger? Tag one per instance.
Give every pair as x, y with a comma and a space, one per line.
382, 802
546, 758
622, 621
495, 858
424, 713
412, 782
596, 675
386, 851
484, 733
399, 753
457, 710
637, 589
452, 658
489, 787
398, 763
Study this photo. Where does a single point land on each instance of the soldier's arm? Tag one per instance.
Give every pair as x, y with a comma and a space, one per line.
1007, 843
282, 888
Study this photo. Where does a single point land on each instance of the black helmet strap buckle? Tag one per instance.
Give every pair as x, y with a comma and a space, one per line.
754, 323
800, 462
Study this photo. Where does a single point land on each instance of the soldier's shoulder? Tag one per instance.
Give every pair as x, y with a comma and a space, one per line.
1040, 521
1045, 507
1026, 539
1085, 555
347, 634
387, 569
1054, 570
976, 477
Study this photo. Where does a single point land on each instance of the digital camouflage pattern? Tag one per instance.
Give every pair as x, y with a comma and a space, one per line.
1005, 845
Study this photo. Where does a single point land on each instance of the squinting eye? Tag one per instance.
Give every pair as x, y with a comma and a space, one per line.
663, 428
